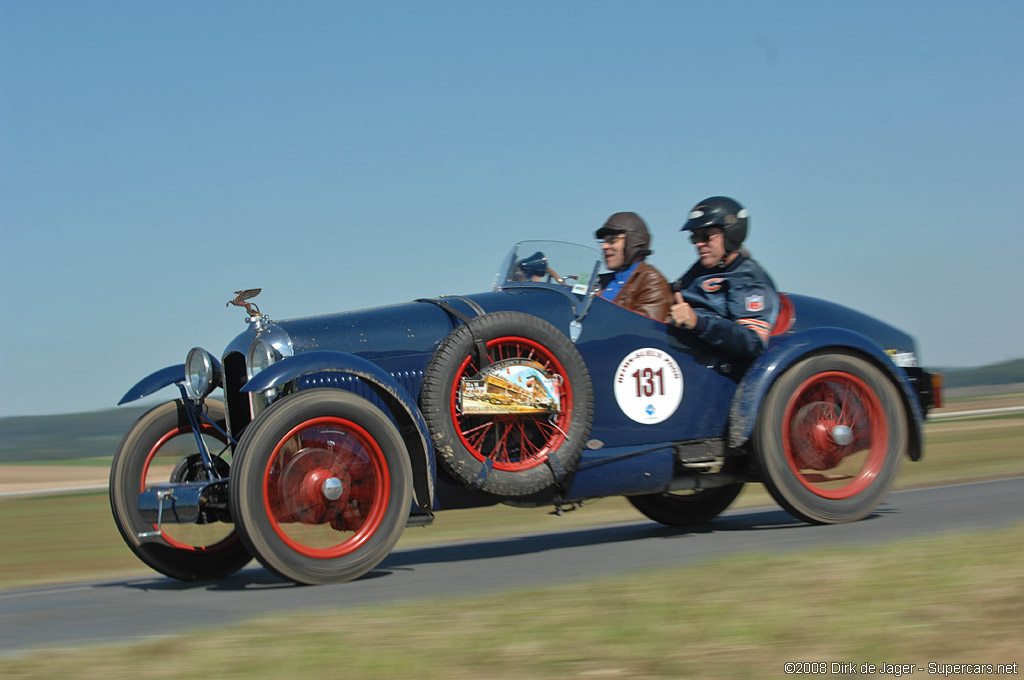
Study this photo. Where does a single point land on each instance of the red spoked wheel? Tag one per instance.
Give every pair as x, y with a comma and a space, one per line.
161, 448
515, 450
835, 434
513, 442
322, 486
831, 437
326, 487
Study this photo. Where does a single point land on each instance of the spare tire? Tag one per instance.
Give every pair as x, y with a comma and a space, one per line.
517, 423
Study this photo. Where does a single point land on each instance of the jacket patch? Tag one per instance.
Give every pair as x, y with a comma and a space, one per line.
755, 303
712, 285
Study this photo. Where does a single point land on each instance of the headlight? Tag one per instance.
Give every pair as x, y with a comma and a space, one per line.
261, 355
202, 373
270, 346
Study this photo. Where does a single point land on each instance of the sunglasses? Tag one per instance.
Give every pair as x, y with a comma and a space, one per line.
704, 235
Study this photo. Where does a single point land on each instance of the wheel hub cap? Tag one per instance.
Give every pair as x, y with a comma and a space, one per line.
842, 434
332, 488
313, 487
820, 439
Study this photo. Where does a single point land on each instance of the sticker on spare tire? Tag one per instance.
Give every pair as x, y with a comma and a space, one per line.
648, 385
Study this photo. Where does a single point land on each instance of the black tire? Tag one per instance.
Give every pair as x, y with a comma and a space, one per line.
509, 454
830, 438
680, 509
159, 448
281, 497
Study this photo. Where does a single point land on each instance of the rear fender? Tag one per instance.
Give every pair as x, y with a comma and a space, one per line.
787, 351
153, 382
401, 405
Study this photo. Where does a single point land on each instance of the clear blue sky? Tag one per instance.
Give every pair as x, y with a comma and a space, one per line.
156, 156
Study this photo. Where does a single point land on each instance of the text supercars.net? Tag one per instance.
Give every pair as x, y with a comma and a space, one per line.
897, 670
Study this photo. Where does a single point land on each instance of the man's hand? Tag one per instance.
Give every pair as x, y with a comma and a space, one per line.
682, 313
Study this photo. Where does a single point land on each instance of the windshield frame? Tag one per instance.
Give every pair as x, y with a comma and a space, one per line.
586, 261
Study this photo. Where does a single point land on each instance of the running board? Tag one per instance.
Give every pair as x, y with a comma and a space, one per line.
422, 520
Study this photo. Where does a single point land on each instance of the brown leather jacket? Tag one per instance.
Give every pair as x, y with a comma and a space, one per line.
646, 292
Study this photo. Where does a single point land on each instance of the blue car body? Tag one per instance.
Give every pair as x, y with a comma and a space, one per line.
631, 449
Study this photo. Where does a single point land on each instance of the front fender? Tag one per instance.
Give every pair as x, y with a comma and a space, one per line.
153, 382
767, 368
402, 406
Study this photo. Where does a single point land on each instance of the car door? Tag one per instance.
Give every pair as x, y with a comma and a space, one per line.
650, 384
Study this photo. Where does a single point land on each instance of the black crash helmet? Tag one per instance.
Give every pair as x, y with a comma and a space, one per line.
721, 211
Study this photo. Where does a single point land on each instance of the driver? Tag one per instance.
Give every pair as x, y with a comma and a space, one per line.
726, 299
633, 283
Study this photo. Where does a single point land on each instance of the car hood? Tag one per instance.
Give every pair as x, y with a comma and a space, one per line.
394, 330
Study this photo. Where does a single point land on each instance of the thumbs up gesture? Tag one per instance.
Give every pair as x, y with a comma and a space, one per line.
682, 313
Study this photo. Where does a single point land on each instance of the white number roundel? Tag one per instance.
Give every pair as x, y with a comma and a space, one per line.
648, 385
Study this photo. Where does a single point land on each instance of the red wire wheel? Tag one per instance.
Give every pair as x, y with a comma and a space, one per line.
160, 448
831, 438
322, 486
326, 487
507, 453
513, 442
835, 434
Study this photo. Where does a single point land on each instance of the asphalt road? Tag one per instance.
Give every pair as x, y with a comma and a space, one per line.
140, 608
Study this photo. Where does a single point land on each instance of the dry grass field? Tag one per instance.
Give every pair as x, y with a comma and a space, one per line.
26, 478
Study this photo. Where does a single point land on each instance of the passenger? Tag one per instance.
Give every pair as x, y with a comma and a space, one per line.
726, 299
633, 283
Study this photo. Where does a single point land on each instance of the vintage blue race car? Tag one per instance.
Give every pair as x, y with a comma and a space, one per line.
336, 432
